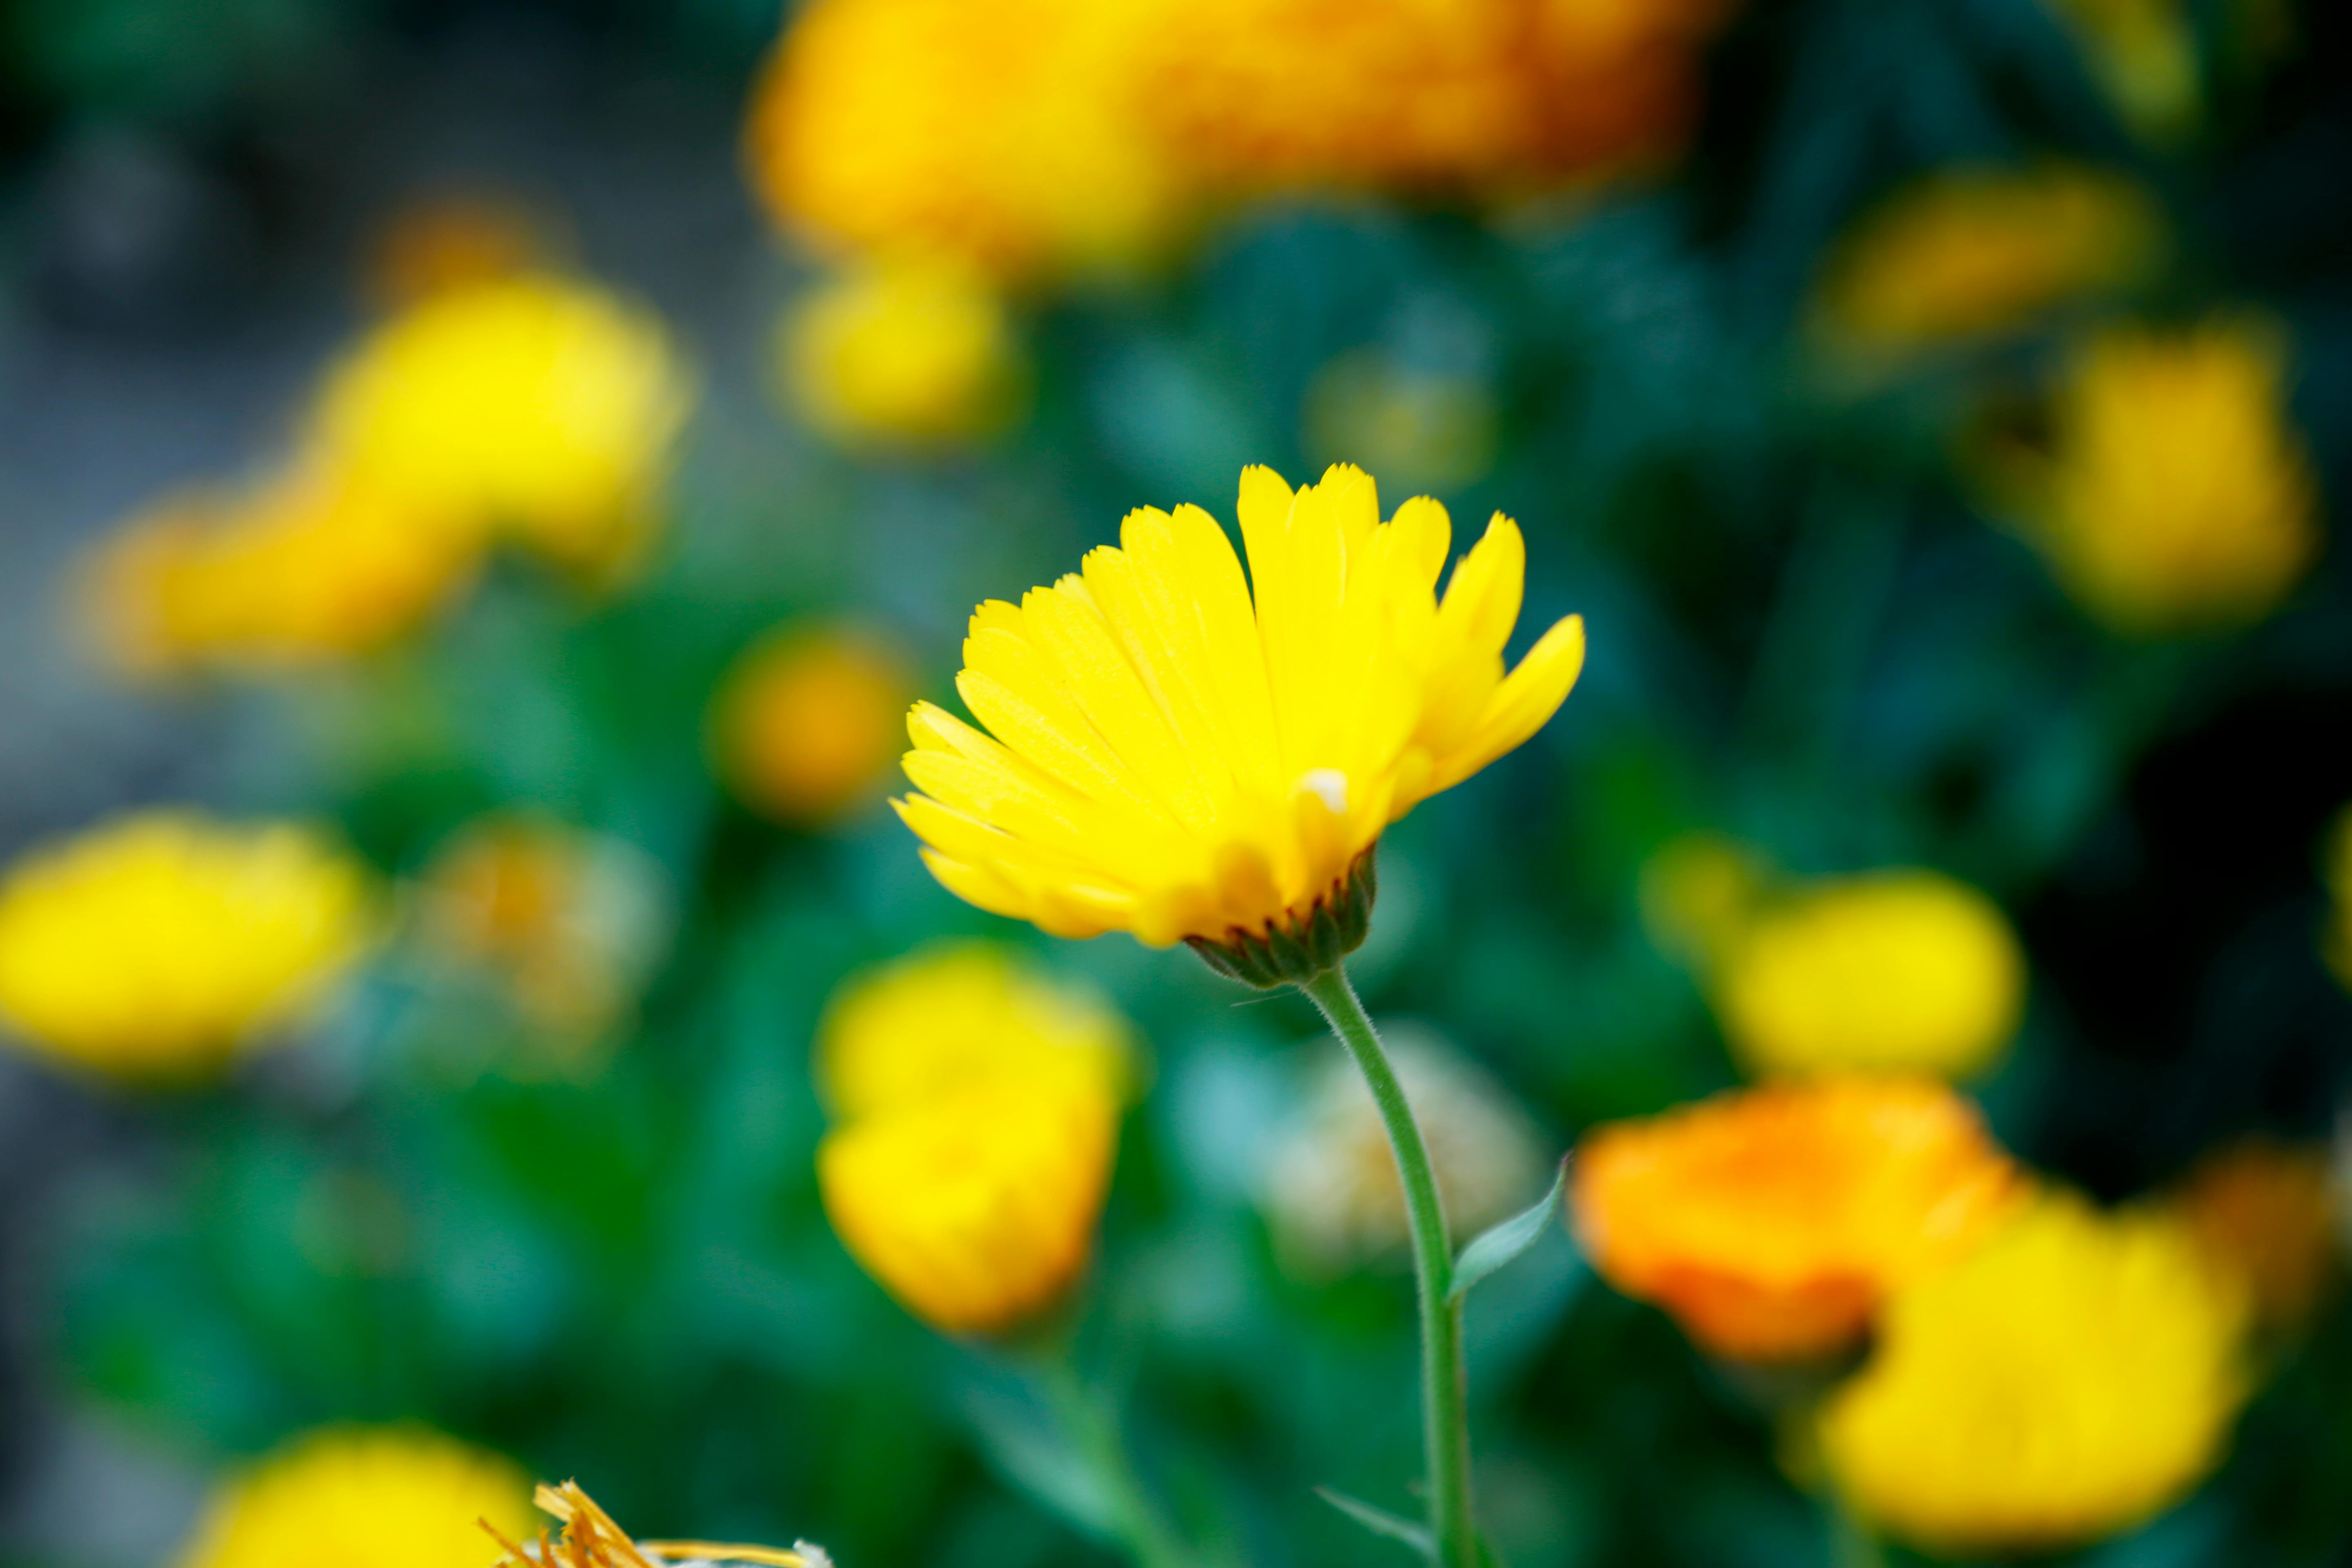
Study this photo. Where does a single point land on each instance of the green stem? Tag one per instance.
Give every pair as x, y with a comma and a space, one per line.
1444, 1387
1135, 1518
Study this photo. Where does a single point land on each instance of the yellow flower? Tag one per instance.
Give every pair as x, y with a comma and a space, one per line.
531, 404
570, 923
805, 726
1432, 429
1331, 1187
305, 568
1478, 94
1968, 254
2077, 1374
1900, 971
2266, 1212
1001, 136
905, 353
2143, 53
1774, 1222
957, 1016
2175, 495
980, 1112
1697, 892
161, 946
363, 1498
1174, 758
591, 1540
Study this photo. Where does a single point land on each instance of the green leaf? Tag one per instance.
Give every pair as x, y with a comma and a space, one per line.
1506, 1240
1380, 1521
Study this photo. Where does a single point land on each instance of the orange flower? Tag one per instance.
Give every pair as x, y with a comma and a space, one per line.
1772, 1222
2264, 1211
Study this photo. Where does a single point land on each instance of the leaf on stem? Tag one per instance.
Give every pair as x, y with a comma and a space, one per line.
1506, 1240
1380, 1521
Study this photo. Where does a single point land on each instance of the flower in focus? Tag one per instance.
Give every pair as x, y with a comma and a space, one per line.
531, 405
1477, 94
2175, 494
978, 1115
1185, 755
1003, 137
2266, 1212
591, 1540
2076, 1376
1434, 430
1968, 254
1773, 1223
304, 568
569, 923
805, 726
2143, 53
364, 1497
913, 353
1332, 1189
162, 944
1898, 971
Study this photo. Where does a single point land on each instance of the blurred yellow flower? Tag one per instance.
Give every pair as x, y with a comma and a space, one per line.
957, 1016
1967, 254
2265, 1211
1421, 94
1774, 1222
1432, 430
1896, 971
905, 353
2175, 494
1698, 892
2144, 52
591, 1540
304, 568
2077, 1374
1332, 1189
162, 944
1000, 136
1178, 759
531, 405
364, 1497
976, 1211
2336, 871
980, 1111
569, 923
805, 726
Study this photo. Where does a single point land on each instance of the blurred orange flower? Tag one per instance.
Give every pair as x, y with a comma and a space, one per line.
1773, 1222
2265, 1211
806, 725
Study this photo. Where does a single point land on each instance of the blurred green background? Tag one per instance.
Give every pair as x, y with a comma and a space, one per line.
1804, 632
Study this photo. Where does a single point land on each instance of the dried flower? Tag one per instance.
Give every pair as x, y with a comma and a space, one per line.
904, 353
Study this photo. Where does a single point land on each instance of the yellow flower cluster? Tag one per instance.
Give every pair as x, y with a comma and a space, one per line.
978, 1112
1903, 970
363, 1498
527, 408
806, 725
1182, 754
160, 946
2073, 1377
2174, 495
1775, 1222
1969, 254
1051, 136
